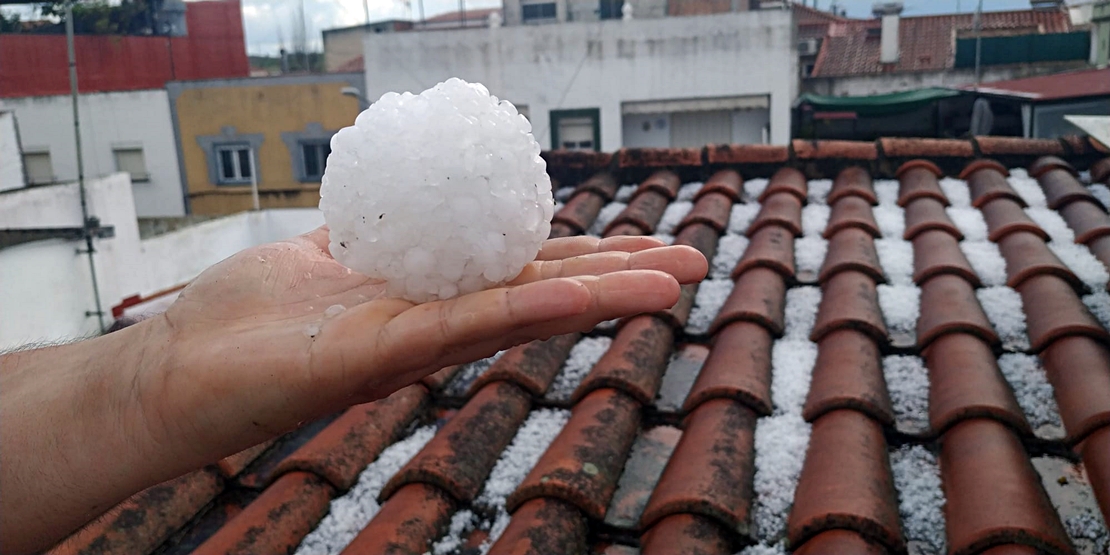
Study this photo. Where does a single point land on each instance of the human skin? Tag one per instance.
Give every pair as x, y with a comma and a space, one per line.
234, 362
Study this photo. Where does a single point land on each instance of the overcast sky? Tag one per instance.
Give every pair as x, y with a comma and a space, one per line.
268, 20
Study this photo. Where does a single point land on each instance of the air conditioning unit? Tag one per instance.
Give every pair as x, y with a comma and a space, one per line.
808, 47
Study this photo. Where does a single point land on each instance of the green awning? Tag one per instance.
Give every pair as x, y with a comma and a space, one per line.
876, 105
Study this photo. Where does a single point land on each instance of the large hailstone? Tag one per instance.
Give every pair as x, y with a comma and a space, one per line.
439, 194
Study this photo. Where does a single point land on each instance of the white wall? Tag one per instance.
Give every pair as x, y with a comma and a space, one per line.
11, 161
45, 287
123, 119
600, 65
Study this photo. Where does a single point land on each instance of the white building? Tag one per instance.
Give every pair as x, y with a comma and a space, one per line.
11, 163
128, 131
672, 81
45, 288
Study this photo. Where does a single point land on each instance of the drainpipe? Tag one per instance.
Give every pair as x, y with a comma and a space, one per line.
87, 223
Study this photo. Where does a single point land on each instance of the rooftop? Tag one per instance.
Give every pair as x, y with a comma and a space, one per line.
901, 348
1075, 84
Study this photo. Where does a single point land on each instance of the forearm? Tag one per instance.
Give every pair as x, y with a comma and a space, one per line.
74, 439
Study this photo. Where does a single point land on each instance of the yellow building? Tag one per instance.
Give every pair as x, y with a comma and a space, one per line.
273, 130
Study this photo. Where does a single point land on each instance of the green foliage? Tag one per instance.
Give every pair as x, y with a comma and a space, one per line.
10, 23
90, 17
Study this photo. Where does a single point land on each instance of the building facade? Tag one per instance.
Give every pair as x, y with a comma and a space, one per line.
126, 131
11, 161
273, 131
673, 81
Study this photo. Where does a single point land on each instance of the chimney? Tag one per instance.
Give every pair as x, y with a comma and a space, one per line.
890, 14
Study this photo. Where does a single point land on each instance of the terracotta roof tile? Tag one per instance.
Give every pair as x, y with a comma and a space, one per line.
849, 301
1061, 188
738, 367
918, 179
142, 522
938, 253
747, 154
579, 212
771, 247
786, 180
650, 453
339, 452
853, 181
635, 362
678, 314
759, 296
700, 236
987, 180
710, 472
531, 366
407, 523
602, 184
852, 212
1079, 370
462, 453
277, 521
712, 209
1046, 164
927, 213
1004, 216
852, 248
1054, 311
846, 483
644, 211
664, 182
543, 526
1027, 255
686, 533
838, 150
1088, 220
1016, 146
965, 383
1096, 458
784, 210
1100, 248
725, 182
584, 462
848, 375
927, 148
230, 467
1100, 171
658, 157
994, 496
839, 542
949, 305
437, 380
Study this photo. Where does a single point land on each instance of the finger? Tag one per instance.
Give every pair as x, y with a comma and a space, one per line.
685, 263
317, 238
566, 247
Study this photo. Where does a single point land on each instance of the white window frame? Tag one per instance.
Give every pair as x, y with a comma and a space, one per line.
239, 179
53, 178
136, 177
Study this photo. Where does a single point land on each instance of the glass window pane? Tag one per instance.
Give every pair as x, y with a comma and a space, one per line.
227, 165
311, 160
131, 160
244, 163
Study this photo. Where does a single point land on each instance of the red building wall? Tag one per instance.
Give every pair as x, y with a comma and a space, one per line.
35, 65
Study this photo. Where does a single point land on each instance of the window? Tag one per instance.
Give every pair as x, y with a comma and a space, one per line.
38, 167
610, 9
234, 164
315, 156
576, 129
131, 160
539, 11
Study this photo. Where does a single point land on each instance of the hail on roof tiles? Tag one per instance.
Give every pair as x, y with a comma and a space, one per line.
886, 190
755, 187
677, 381
462, 523
780, 449
970, 222
673, 215
1079, 259
583, 356
907, 380
730, 248
801, 311
1099, 305
624, 192
900, 305
1027, 188
1006, 313
607, 214
818, 190
957, 191
350, 513
764, 549
1102, 193
563, 194
809, 254
1074, 500
712, 294
1088, 532
986, 260
468, 373
741, 217
814, 219
920, 497
792, 362
688, 191
896, 258
1034, 394
1052, 223
891, 219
